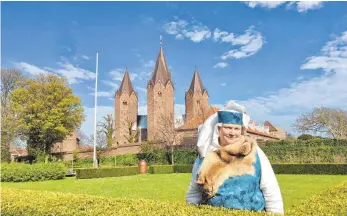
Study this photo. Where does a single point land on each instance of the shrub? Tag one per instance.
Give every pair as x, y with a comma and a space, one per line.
331, 169
305, 137
330, 202
183, 168
161, 169
19, 172
106, 172
37, 203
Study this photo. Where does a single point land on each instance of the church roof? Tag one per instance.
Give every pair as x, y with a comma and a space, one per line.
161, 71
196, 84
126, 85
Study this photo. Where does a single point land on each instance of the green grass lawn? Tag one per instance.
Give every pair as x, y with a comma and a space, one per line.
172, 187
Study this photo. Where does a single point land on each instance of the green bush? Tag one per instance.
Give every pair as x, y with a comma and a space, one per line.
330, 202
183, 168
305, 137
161, 169
36, 203
106, 172
326, 169
315, 150
19, 172
31, 202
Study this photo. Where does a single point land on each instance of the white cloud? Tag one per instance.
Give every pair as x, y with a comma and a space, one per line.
117, 74
32, 69
246, 44
300, 6
265, 4
304, 6
72, 73
249, 44
221, 65
223, 84
328, 89
103, 94
141, 89
149, 64
85, 57
111, 84
194, 31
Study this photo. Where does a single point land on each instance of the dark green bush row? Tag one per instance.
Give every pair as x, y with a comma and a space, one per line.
106, 172
285, 151
327, 169
309, 142
19, 172
305, 154
332, 169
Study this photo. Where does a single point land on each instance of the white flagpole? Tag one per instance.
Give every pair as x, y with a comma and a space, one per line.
95, 162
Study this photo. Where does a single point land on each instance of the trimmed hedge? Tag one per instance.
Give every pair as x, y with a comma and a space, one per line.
330, 202
161, 169
326, 169
106, 172
183, 168
19, 172
36, 203
31, 202
311, 151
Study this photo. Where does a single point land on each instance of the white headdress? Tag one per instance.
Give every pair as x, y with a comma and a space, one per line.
208, 132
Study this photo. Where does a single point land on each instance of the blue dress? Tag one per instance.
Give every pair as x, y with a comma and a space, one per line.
238, 192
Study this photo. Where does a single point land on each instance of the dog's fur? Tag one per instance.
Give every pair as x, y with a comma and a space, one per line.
231, 160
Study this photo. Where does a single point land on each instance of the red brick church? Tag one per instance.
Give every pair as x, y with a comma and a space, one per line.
160, 102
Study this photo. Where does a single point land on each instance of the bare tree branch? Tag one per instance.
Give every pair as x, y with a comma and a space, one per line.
324, 120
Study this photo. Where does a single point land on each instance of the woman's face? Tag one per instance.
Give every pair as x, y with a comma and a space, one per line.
229, 134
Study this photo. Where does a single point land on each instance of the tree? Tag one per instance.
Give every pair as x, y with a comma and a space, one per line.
47, 110
305, 137
323, 120
107, 127
101, 143
130, 135
168, 133
11, 79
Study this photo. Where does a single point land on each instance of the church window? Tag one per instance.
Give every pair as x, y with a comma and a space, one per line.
159, 94
198, 101
125, 103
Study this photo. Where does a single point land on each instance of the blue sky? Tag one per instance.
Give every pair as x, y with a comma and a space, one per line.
278, 59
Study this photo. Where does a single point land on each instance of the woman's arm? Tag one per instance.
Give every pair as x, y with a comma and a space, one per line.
194, 193
269, 186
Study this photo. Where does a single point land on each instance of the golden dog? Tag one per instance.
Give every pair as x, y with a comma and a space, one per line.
231, 160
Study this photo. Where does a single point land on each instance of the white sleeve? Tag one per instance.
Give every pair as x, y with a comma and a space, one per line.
194, 193
269, 186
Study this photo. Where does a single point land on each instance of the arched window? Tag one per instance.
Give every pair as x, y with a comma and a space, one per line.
159, 94
125, 103
198, 101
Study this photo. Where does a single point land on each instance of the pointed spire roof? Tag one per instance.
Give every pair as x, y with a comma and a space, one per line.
126, 85
161, 71
196, 84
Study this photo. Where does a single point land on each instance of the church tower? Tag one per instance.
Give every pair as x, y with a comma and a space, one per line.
126, 104
196, 98
160, 96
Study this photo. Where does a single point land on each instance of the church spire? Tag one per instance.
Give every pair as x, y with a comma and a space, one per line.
196, 84
161, 72
126, 85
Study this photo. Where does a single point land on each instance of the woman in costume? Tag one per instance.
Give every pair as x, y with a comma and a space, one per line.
231, 171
